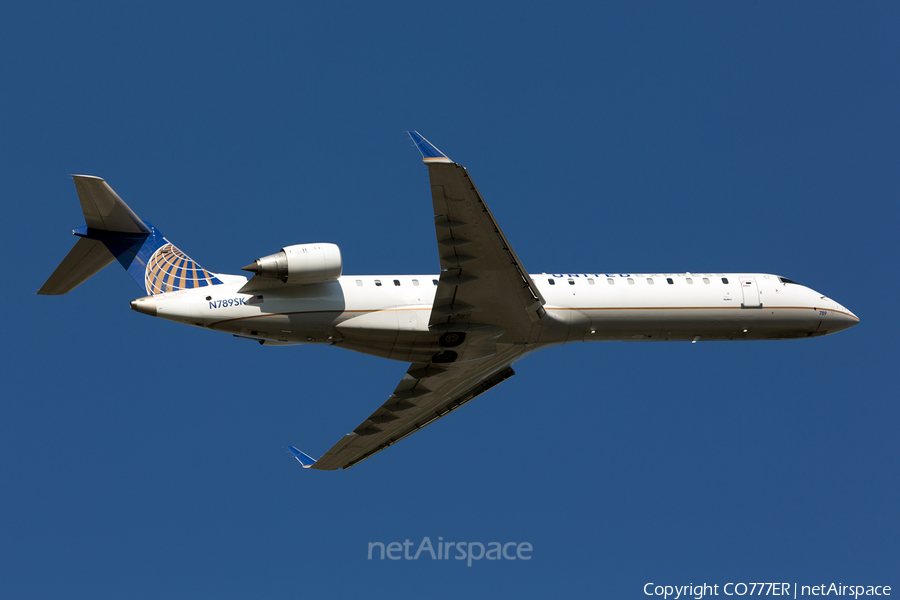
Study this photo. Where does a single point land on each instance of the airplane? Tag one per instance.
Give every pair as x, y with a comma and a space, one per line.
461, 330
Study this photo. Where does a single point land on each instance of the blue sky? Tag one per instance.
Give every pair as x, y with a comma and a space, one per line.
142, 459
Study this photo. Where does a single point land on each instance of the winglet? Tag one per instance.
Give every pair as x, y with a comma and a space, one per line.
430, 154
304, 459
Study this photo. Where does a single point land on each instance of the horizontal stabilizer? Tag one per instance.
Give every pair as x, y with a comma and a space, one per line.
103, 209
85, 260
304, 459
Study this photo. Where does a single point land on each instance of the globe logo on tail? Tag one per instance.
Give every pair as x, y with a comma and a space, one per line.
170, 270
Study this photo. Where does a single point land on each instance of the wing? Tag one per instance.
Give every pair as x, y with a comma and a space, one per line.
426, 393
484, 311
482, 279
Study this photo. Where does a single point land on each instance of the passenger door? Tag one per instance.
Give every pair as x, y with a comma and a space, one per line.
750, 290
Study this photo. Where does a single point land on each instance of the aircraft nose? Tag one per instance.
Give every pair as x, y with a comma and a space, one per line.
842, 318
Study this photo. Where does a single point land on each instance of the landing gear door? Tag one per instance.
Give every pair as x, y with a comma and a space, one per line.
751, 293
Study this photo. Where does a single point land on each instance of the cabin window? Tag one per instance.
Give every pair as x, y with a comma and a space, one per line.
590, 281
610, 281
359, 282
669, 280
706, 280
551, 282
725, 280
415, 282
630, 281
689, 281
650, 281
378, 282
396, 282
434, 281
571, 282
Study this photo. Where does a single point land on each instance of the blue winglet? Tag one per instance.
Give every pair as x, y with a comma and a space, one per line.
430, 154
304, 459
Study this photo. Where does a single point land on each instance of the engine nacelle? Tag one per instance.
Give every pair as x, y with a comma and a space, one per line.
300, 263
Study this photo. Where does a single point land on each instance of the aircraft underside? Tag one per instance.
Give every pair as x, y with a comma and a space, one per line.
461, 330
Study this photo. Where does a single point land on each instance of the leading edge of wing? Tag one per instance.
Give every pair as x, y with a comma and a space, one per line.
430, 154
480, 272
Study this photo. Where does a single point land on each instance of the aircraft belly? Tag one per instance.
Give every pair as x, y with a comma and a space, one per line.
407, 346
391, 333
392, 319
403, 334
302, 328
614, 324
279, 318
694, 324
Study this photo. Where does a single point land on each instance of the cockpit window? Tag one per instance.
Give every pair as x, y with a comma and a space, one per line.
786, 280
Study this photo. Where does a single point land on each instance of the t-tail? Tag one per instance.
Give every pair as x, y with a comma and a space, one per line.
114, 232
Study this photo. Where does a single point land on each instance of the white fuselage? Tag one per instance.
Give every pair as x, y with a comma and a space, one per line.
388, 316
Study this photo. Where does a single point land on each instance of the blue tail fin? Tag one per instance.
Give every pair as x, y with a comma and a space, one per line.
114, 232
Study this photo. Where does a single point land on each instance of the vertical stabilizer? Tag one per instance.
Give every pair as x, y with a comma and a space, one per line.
114, 232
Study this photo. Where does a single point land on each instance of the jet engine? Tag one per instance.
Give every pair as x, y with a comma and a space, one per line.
300, 263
